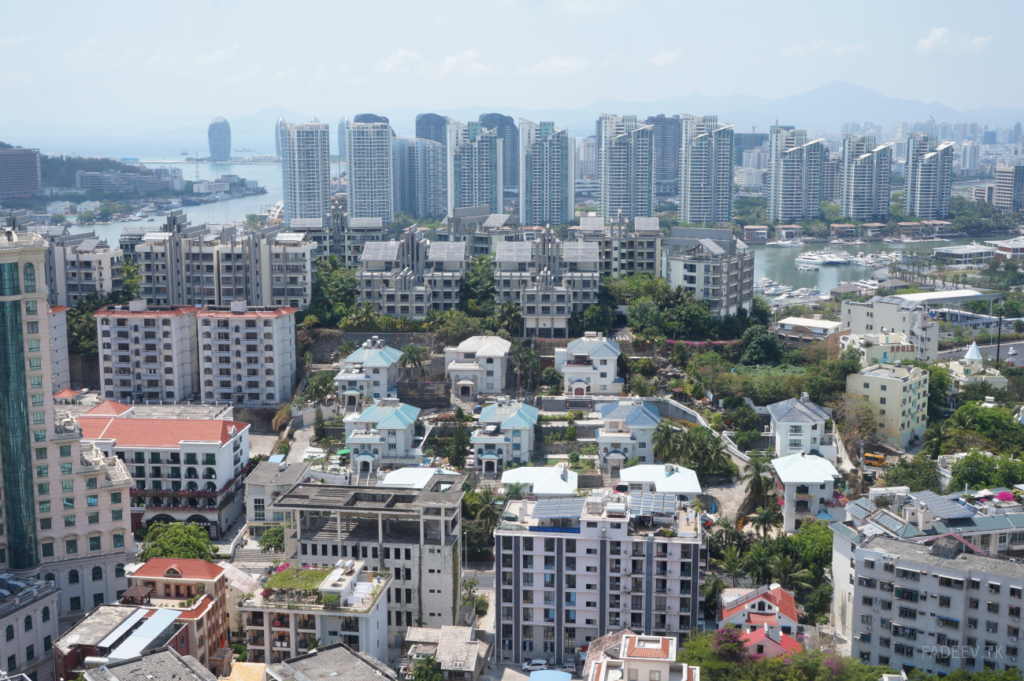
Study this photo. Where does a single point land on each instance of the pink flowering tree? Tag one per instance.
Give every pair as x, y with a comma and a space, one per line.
728, 645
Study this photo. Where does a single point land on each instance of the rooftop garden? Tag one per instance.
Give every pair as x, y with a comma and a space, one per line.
287, 577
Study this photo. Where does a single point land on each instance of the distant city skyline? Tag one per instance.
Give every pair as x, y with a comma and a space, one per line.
916, 51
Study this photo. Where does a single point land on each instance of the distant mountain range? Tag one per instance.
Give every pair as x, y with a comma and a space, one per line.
822, 109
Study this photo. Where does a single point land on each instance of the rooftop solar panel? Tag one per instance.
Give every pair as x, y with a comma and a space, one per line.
942, 507
647, 503
496, 220
88, 245
559, 508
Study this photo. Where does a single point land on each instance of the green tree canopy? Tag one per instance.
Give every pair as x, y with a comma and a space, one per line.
177, 540
272, 540
427, 669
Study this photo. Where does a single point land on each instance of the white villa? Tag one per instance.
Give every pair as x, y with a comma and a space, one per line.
807, 487
589, 366
662, 478
382, 433
505, 435
627, 430
798, 426
971, 369
477, 366
370, 371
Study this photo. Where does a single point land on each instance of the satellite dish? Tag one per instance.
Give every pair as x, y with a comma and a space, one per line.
614, 675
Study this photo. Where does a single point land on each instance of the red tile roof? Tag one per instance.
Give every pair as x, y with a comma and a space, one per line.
248, 314
190, 568
166, 433
54, 309
759, 618
788, 643
633, 650
199, 610
67, 393
108, 408
125, 312
780, 598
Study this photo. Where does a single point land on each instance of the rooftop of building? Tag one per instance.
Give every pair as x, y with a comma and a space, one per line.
161, 433
485, 346
162, 664
964, 249
238, 579
544, 480
387, 414
893, 371
246, 312
373, 353
108, 408
788, 643
442, 490
635, 412
923, 554
646, 513
782, 600
804, 469
594, 346
667, 478
178, 568
798, 410
94, 628
146, 311
811, 323
456, 648
328, 663
510, 414
413, 477
268, 473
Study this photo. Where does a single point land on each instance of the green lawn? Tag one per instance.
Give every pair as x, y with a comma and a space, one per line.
306, 579
770, 371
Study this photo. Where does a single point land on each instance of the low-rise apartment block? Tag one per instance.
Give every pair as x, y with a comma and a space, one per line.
569, 571
624, 654
934, 606
148, 353
894, 314
28, 622
326, 660
247, 355
78, 265
590, 366
971, 369
267, 480
184, 470
798, 426
799, 332
713, 265
624, 253
806, 483
412, 535
879, 348
505, 435
899, 395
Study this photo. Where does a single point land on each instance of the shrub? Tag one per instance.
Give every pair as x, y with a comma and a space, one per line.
570, 433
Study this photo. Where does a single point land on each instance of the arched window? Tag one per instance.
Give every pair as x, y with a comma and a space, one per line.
97, 573
50, 577
119, 570
30, 278
10, 632
46, 614
73, 577
28, 623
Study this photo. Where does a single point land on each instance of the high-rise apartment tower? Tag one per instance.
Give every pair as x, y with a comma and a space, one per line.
370, 171
547, 176
705, 176
865, 177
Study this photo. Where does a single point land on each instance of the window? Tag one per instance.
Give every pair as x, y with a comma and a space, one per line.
70, 548
28, 623
46, 614
94, 544
65, 469
47, 549
73, 577
42, 471
76, 603
97, 574
118, 540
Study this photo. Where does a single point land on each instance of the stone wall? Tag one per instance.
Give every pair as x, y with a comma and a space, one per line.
328, 340
259, 419
85, 371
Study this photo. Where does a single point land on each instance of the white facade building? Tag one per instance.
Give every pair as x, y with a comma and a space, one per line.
306, 170
146, 353
60, 368
627, 432
898, 395
713, 265
78, 265
505, 435
477, 366
894, 314
626, 173
476, 171
547, 174
369, 372
384, 433
266, 481
865, 179
794, 173
807, 483
370, 171
247, 356
589, 366
662, 479
705, 179
799, 428
29, 626
929, 177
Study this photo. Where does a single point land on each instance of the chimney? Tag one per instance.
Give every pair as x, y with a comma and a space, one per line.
137, 305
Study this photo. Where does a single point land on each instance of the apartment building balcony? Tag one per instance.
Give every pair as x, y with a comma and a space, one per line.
255, 619
305, 623
281, 621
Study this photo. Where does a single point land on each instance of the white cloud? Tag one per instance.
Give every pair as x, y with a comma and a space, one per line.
467, 63
944, 41
556, 66
402, 61
822, 47
216, 56
665, 57
13, 40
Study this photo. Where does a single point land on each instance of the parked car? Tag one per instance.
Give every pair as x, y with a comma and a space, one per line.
478, 408
568, 667
535, 665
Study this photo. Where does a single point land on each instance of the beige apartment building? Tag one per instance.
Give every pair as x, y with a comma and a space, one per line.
898, 394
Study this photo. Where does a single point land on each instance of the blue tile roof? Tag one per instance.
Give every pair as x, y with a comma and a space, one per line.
635, 415
390, 417
512, 415
374, 357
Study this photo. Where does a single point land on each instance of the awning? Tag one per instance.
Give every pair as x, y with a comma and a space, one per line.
366, 456
351, 391
489, 455
344, 452
137, 591
466, 381
615, 454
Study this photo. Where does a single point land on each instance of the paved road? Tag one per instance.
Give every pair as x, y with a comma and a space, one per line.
486, 578
989, 351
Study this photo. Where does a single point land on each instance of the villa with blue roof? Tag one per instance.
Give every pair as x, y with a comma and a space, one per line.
371, 371
382, 434
589, 366
627, 431
505, 435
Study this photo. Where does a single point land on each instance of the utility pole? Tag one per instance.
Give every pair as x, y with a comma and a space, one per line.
999, 333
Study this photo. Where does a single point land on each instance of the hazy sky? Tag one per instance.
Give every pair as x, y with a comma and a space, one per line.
114, 61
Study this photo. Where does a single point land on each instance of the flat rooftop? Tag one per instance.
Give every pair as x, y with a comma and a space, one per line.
268, 473
95, 627
441, 490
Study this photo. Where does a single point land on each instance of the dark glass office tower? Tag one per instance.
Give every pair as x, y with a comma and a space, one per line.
508, 133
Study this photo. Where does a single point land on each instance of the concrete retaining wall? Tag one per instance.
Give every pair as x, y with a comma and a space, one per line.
258, 418
84, 371
329, 340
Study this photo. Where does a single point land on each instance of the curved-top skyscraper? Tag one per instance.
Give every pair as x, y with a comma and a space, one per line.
277, 136
220, 139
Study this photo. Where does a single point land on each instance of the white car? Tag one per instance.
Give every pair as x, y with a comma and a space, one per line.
535, 665
1013, 351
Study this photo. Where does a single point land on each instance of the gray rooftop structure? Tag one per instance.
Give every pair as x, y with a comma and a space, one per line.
580, 251
95, 627
514, 251
796, 411
331, 663
922, 554
496, 220
380, 250
441, 251
441, 490
365, 223
267, 473
163, 664
685, 238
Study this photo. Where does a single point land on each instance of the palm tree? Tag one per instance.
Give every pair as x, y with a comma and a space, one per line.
731, 563
514, 490
727, 531
130, 279
490, 508
363, 315
665, 441
510, 317
757, 473
413, 356
717, 453
961, 420
935, 436
763, 520
785, 573
758, 564
713, 587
